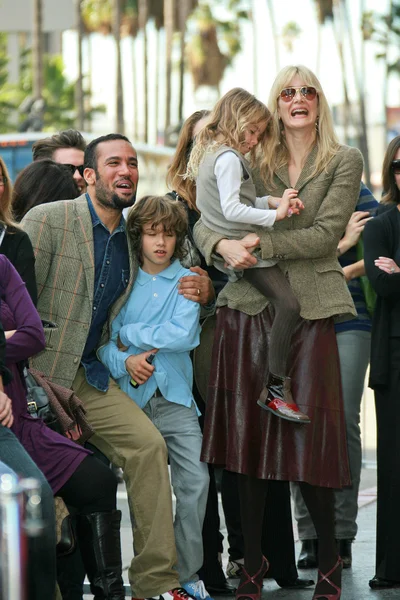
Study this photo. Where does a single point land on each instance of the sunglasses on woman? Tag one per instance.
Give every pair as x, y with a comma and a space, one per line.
288, 94
396, 166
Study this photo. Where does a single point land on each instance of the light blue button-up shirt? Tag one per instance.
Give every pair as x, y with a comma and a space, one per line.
156, 316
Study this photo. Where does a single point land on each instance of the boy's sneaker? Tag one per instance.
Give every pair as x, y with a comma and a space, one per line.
197, 590
175, 594
234, 569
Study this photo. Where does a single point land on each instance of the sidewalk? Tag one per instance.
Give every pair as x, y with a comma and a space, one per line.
355, 580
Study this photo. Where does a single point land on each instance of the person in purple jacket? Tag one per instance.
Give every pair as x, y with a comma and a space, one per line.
67, 466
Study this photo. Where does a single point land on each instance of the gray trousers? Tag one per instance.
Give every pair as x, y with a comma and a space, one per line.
354, 352
180, 429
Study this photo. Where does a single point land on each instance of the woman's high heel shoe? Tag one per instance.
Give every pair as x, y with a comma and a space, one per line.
256, 580
322, 577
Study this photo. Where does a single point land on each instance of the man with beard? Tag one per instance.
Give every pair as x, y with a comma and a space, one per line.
85, 270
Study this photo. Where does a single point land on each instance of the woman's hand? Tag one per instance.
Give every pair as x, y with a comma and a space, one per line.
387, 264
238, 253
354, 229
198, 288
6, 415
138, 368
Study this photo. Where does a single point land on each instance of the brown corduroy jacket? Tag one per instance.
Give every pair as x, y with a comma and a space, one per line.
306, 244
62, 238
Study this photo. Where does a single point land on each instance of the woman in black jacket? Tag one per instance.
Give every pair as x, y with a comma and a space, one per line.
382, 264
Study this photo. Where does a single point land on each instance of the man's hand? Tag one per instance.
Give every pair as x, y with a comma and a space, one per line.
238, 253
6, 416
197, 288
138, 368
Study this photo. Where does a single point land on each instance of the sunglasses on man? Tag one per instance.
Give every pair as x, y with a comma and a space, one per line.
396, 166
73, 168
288, 94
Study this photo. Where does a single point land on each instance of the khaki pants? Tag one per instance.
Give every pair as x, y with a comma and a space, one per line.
130, 441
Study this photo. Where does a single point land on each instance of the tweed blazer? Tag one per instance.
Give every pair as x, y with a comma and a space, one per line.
62, 238
306, 244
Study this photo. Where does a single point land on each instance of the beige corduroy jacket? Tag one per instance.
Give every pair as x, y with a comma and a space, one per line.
62, 238
306, 244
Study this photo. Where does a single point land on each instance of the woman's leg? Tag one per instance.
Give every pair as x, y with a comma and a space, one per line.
92, 491
252, 494
320, 502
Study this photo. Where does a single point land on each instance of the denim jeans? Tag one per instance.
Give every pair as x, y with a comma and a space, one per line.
354, 352
180, 429
42, 550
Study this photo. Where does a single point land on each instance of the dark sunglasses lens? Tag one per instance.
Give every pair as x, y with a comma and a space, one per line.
73, 168
288, 94
309, 92
396, 167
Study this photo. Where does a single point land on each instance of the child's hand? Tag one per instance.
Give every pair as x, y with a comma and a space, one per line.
295, 206
138, 368
120, 345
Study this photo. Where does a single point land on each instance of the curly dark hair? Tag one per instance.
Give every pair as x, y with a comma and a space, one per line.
158, 210
45, 148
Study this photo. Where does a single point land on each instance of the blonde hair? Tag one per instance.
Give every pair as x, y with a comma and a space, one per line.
228, 122
184, 187
5, 202
277, 152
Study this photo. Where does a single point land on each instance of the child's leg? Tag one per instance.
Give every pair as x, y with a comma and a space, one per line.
180, 429
276, 396
272, 283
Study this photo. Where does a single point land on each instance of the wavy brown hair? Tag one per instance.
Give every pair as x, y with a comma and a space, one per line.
391, 193
5, 203
158, 210
183, 186
229, 120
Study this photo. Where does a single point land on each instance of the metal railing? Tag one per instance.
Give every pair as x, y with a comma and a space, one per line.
20, 517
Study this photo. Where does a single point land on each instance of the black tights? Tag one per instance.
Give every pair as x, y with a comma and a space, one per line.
272, 284
320, 503
91, 488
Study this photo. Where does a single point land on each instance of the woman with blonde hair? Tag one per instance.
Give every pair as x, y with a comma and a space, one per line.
303, 153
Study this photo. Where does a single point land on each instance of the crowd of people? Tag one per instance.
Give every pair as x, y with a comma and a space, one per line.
228, 323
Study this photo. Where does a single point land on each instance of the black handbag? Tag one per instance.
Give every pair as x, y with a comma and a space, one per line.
39, 406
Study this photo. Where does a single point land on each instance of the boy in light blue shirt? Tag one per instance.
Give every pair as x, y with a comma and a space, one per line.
157, 320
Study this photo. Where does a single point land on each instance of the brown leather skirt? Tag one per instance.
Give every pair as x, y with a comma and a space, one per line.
243, 437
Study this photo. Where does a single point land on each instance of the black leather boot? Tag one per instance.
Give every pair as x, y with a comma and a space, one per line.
100, 545
277, 398
308, 558
344, 551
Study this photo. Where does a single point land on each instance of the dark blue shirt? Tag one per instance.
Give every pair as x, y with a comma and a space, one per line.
367, 202
111, 276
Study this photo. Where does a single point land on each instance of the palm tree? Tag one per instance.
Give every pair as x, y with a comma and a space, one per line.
275, 35
37, 49
119, 93
79, 97
169, 12
358, 78
143, 18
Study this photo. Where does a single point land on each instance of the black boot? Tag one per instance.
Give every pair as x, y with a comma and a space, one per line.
308, 558
100, 545
277, 398
344, 551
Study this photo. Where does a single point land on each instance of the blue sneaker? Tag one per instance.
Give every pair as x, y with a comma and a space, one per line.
197, 590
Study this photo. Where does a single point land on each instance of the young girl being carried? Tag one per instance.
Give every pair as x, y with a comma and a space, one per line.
226, 198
